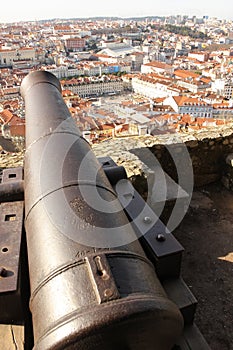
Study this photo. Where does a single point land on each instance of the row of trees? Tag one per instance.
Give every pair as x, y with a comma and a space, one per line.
185, 31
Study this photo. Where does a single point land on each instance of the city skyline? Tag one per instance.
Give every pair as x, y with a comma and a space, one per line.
24, 10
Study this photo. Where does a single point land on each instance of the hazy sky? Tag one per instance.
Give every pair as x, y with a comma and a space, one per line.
21, 10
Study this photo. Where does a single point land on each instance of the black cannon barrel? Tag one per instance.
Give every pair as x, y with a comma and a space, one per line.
92, 286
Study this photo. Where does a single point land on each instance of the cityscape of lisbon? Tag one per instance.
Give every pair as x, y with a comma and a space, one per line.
123, 77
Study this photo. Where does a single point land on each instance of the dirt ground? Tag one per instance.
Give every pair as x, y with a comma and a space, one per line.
206, 233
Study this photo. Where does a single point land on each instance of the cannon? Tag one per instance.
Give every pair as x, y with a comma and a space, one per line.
95, 276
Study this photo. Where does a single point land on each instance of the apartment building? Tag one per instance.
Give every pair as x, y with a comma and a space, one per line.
154, 87
75, 44
221, 111
95, 88
65, 71
157, 67
87, 68
228, 90
201, 56
191, 81
8, 57
194, 86
137, 60
190, 105
224, 87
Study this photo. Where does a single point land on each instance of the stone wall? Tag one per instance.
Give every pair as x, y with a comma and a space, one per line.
203, 152
207, 151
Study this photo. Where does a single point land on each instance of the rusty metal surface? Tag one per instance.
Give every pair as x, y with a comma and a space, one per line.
12, 185
100, 272
12, 191
11, 175
11, 223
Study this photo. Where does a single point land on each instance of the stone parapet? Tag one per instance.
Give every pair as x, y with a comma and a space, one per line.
207, 150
